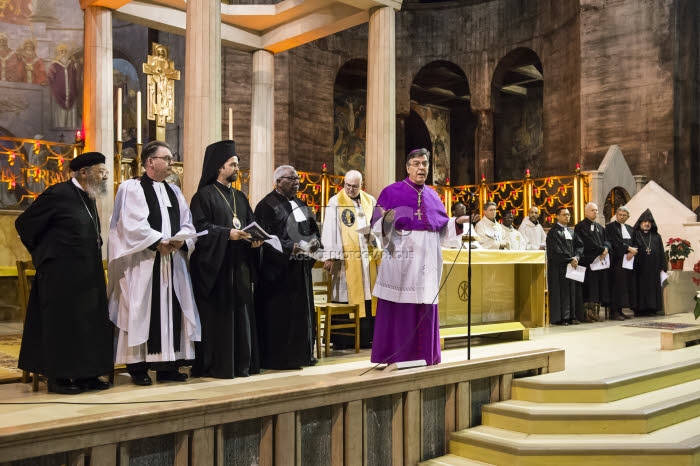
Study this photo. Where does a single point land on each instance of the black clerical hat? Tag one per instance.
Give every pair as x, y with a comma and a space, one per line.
216, 155
87, 159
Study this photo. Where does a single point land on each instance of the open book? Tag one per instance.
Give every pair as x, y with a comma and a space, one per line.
256, 232
184, 236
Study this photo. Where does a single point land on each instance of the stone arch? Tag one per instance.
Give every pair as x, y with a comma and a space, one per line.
440, 98
616, 197
350, 117
517, 101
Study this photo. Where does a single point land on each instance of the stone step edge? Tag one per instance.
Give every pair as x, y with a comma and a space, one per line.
647, 411
454, 460
579, 445
605, 390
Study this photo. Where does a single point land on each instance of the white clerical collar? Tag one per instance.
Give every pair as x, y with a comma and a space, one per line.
227, 186
492, 221
563, 226
75, 182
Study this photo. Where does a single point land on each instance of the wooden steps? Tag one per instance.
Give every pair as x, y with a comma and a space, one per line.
643, 418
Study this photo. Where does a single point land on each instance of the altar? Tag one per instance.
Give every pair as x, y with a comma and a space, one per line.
507, 286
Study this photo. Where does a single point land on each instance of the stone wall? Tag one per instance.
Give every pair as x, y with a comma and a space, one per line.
627, 98
424, 35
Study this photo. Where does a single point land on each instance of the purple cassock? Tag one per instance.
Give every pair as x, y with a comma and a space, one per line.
407, 325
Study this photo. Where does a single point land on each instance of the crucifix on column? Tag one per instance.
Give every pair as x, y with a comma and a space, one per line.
161, 88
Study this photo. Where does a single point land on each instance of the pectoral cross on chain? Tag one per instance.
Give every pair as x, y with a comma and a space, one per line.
418, 213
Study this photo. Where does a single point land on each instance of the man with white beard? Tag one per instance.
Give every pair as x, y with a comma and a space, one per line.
67, 334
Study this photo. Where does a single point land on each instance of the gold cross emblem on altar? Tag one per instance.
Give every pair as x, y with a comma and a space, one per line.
161, 88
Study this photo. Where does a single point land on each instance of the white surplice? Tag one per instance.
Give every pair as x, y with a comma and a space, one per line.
131, 274
412, 272
534, 234
491, 234
332, 241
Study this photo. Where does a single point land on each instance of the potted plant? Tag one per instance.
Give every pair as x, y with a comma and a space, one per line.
677, 250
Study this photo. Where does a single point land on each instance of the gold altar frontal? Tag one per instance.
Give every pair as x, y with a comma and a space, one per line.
507, 293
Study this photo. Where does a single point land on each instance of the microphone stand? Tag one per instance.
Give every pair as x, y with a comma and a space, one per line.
469, 281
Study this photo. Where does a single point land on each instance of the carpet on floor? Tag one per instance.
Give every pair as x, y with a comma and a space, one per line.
9, 353
660, 325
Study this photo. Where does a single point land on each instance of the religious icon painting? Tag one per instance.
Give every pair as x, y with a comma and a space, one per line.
348, 217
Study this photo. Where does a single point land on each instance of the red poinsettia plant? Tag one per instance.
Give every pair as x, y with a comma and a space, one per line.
678, 248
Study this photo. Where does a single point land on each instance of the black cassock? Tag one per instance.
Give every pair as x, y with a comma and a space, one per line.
647, 270
565, 298
223, 273
622, 282
596, 287
67, 332
284, 295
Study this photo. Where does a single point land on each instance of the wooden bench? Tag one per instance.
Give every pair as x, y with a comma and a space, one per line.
678, 339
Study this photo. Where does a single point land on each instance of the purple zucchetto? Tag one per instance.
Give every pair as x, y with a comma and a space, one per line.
87, 159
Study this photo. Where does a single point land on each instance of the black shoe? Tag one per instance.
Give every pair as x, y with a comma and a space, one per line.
64, 387
170, 376
574, 322
92, 383
141, 378
313, 362
561, 322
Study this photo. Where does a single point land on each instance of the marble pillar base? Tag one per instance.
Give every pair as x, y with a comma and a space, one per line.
679, 293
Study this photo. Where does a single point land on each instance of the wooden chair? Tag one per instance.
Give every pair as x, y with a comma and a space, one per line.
25, 269
325, 310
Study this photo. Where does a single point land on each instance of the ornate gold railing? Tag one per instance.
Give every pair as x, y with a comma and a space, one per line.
518, 196
29, 166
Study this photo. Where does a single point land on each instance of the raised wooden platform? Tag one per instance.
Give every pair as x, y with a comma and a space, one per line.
505, 331
321, 415
677, 339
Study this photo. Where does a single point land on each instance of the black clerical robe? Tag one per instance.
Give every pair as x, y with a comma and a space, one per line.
67, 332
622, 281
223, 275
284, 295
596, 287
648, 264
565, 297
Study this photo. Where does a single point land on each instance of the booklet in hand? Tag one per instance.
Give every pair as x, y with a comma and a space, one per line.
256, 232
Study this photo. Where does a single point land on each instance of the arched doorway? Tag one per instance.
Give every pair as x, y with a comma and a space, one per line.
440, 98
517, 89
350, 117
616, 197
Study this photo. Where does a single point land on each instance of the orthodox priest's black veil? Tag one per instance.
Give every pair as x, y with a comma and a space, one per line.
215, 157
646, 217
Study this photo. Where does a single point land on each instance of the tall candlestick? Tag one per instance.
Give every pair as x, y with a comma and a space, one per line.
230, 123
119, 114
138, 117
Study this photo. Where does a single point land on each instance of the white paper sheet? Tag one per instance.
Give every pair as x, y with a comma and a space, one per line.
578, 273
627, 264
599, 264
184, 236
663, 276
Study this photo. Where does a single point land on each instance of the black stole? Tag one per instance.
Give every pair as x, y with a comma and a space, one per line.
155, 220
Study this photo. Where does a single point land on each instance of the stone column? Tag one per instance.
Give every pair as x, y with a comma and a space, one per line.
380, 161
483, 146
640, 181
262, 128
98, 118
596, 193
202, 112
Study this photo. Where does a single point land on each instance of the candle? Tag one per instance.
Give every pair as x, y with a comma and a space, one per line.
119, 114
230, 123
138, 117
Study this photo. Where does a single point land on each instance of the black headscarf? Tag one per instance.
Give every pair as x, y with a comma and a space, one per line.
215, 157
646, 216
